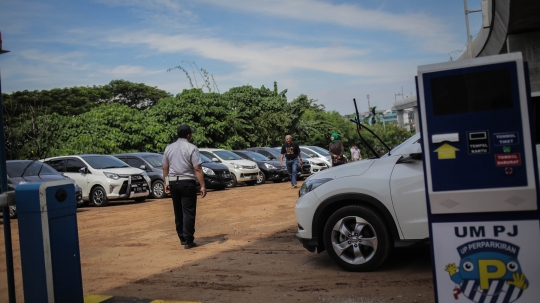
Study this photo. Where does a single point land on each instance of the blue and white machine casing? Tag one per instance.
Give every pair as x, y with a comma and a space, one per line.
472, 182
49, 242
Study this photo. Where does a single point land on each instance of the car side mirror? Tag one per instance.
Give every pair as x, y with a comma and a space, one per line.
215, 160
411, 153
83, 170
143, 167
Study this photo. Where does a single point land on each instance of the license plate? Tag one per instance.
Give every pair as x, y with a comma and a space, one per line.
253, 177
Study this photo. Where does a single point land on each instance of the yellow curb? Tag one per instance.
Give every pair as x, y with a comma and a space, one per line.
95, 298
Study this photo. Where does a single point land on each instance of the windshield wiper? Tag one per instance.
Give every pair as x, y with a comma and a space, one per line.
27, 166
359, 125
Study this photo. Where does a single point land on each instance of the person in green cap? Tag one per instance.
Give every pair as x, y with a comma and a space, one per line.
336, 150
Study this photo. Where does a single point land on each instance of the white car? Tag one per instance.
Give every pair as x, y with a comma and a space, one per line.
317, 153
103, 178
241, 170
360, 211
317, 164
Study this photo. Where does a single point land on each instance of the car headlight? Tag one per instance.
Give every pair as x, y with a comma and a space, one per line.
111, 175
208, 171
312, 163
236, 166
310, 185
269, 166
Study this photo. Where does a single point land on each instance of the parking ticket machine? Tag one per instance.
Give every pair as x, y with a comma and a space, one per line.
481, 179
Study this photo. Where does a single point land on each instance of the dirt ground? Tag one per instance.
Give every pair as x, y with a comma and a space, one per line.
247, 253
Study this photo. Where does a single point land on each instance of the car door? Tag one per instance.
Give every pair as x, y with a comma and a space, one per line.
409, 198
267, 154
72, 170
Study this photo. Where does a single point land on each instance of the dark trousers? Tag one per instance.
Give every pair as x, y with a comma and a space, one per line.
184, 197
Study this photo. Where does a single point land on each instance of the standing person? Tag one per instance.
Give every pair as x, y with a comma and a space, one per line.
291, 150
355, 153
181, 167
336, 150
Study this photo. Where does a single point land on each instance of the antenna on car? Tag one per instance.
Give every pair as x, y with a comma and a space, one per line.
359, 126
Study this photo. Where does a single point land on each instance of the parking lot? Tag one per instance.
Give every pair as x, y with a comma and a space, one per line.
247, 253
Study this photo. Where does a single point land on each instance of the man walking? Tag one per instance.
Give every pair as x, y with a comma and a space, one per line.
355, 153
181, 167
291, 150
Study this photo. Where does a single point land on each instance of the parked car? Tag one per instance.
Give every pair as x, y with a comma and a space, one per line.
216, 176
318, 153
316, 164
151, 163
103, 178
360, 211
274, 153
28, 171
241, 170
270, 169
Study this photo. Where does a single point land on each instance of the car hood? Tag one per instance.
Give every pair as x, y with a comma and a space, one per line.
241, 162
122, 170
316, 160
14, 181
271, 162
350, 169
213, 165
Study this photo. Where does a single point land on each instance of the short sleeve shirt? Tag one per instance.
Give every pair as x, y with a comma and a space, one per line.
291, 152
182, 157
355, 153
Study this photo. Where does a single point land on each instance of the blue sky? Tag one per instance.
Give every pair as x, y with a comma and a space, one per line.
332, 51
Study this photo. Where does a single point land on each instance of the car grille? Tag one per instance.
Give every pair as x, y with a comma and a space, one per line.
137, 180
249, 167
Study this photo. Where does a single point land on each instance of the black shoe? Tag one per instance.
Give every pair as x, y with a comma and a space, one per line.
190, 245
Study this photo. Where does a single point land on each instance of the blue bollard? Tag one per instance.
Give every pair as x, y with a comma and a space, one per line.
49, 240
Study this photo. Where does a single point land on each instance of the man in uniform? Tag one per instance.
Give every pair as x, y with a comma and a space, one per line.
181, 167
291, 151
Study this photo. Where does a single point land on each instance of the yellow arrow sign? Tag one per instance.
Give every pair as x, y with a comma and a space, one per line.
446, 151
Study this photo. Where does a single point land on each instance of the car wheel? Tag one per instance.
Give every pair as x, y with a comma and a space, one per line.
233, 181
261, 179
98, 196
12, 211
141, 199
356, 238
158, 189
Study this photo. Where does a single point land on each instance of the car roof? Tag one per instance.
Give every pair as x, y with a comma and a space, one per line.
77, 156
211, 149
138, 154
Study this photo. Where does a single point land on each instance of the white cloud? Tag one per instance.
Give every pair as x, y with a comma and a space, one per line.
429, 30
125, 71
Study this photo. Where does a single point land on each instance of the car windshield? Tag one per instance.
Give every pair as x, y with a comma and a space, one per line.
205, 159
304, 155
227, 155
256, 156
103, 162
407, 142
276, 152
15, 169
154, 160
319, 150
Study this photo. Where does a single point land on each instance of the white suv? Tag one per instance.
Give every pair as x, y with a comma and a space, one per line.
103, 178
360, 211
241, 170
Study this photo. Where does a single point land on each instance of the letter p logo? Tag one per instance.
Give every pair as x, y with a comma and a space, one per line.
490, 269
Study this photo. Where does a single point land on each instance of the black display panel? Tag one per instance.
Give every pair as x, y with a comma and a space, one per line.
472, 92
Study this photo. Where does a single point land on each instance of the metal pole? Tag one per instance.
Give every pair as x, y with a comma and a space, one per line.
469, 40
5, 210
